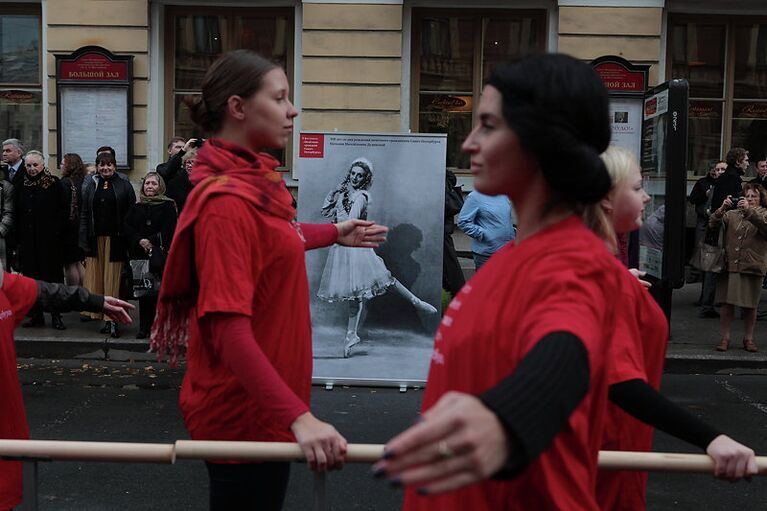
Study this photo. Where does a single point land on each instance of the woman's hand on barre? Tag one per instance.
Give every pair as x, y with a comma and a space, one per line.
458, 442
361, 233
733, 460
323, 446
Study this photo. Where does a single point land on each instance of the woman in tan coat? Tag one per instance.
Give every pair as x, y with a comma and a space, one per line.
745, 242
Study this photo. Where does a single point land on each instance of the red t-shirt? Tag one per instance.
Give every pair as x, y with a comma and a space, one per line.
561, 279
250, 263
17, 296
638, 352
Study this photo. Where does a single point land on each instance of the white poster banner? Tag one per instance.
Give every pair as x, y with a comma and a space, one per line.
375, 312
626, 123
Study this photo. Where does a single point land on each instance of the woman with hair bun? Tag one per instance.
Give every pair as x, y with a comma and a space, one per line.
516, 389
235, 286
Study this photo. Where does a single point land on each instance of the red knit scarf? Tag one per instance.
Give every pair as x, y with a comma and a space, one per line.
221, 167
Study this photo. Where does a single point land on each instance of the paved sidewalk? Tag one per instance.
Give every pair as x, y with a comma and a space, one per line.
690, 350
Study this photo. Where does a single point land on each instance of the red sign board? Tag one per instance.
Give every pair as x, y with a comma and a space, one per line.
619, 79
93, 66
312, 145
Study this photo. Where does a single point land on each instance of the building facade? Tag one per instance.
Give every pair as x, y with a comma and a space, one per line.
381, 65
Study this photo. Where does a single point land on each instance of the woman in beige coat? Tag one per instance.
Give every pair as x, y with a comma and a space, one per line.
745, 243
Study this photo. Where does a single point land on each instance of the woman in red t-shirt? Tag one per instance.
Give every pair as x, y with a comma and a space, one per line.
235, 286
517, 384
636, 363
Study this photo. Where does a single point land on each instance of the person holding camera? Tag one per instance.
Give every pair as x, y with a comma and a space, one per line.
744, 220
177, 148
180, 185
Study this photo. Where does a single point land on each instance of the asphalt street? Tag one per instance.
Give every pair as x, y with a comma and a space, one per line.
137, 402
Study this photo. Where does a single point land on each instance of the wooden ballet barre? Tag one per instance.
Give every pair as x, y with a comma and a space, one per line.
282, 451
87, 451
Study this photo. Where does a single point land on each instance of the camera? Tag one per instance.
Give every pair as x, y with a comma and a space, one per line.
735, 201
198, 142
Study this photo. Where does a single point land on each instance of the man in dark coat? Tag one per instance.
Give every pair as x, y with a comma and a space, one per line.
177, 148
701, 197
730, 182
13, 152
761, 173
452, 274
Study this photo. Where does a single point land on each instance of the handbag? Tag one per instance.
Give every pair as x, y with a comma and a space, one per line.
711, 258
145, 282
157, 258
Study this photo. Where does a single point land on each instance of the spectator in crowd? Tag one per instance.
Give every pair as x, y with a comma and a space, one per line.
149, 227
7, 218
72, 178
745, 243
729, 183
40, 220
452, 274
177, 148
701, 197
18, 294
13, 150
110, 150
106, 200
761, 173
179, 185
487, 219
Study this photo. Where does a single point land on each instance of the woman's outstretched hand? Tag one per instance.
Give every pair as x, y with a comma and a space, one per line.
733, 460
117, 310
361, 233
458, 442
323, 446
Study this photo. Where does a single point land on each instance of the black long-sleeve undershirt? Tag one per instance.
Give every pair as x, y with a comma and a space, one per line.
54, 297
536, 400
646, 404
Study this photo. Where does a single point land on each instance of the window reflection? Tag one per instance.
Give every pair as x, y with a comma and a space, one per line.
20, 49
750, 61
697, 52
449, 78
21, 117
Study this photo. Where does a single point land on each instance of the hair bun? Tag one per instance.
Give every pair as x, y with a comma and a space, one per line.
199, 112
585, 178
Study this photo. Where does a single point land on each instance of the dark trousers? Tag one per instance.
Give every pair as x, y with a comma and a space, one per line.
147, 309
248, 486
479, 260
452, 275
708, 290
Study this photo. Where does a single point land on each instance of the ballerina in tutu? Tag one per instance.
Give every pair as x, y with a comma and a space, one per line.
359, 274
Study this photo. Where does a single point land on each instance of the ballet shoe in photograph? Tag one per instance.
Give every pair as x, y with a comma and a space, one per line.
723, 345
352, 339
748, 345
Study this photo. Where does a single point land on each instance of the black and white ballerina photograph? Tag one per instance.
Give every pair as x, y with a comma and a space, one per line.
375, 311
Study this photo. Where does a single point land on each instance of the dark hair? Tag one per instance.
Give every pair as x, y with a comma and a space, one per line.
236, 73
558, 107
106, 149
174, 140
106, 158
735, 155
73, 166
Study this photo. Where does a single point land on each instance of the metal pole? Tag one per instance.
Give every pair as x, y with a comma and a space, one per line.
319, 491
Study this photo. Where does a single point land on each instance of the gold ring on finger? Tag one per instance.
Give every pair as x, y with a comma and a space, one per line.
444, 451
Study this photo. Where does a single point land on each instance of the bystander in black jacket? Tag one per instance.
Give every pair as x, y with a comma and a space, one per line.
452, 274
729, 183
123, 195
40, 210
